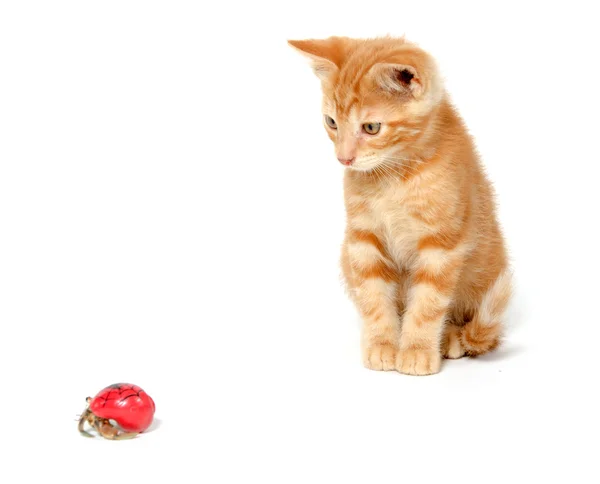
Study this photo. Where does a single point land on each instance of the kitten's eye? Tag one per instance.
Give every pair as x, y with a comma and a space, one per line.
372, 128
330, 122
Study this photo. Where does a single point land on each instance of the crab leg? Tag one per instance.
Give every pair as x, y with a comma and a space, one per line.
85, 416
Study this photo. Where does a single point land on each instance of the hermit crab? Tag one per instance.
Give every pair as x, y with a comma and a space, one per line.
128, 405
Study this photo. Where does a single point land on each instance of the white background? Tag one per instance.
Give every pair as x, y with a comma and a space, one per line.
171, 214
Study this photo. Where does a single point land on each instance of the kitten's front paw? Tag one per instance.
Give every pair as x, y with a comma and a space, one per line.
380, 356
413, 361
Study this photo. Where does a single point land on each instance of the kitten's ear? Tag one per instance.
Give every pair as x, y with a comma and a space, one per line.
397, 79
322, 53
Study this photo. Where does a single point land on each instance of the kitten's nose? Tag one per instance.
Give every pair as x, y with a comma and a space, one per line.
346, 161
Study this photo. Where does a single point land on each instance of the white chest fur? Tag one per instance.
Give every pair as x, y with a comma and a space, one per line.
389, 215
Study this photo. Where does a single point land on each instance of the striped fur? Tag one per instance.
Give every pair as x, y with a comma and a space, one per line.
423, 257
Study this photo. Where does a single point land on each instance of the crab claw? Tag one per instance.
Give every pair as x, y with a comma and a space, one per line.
109, 431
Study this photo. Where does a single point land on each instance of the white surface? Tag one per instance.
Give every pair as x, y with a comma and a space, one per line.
170, 216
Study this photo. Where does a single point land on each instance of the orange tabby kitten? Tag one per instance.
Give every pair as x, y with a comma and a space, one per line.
423, 257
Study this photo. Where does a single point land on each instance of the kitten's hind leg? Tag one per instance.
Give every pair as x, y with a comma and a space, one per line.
452, 347
484, 332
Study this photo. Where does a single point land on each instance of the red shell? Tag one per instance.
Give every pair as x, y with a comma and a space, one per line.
127, 404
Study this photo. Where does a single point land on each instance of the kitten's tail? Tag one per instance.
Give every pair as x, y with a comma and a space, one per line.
484, 332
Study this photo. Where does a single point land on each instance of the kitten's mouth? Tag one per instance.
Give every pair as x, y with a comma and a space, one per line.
363, 168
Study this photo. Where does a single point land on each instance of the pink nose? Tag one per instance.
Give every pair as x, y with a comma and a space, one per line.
346, 162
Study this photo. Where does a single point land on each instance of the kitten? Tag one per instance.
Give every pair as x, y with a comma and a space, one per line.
423, 257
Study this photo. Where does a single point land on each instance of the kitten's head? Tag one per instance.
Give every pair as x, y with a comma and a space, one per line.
378, 96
